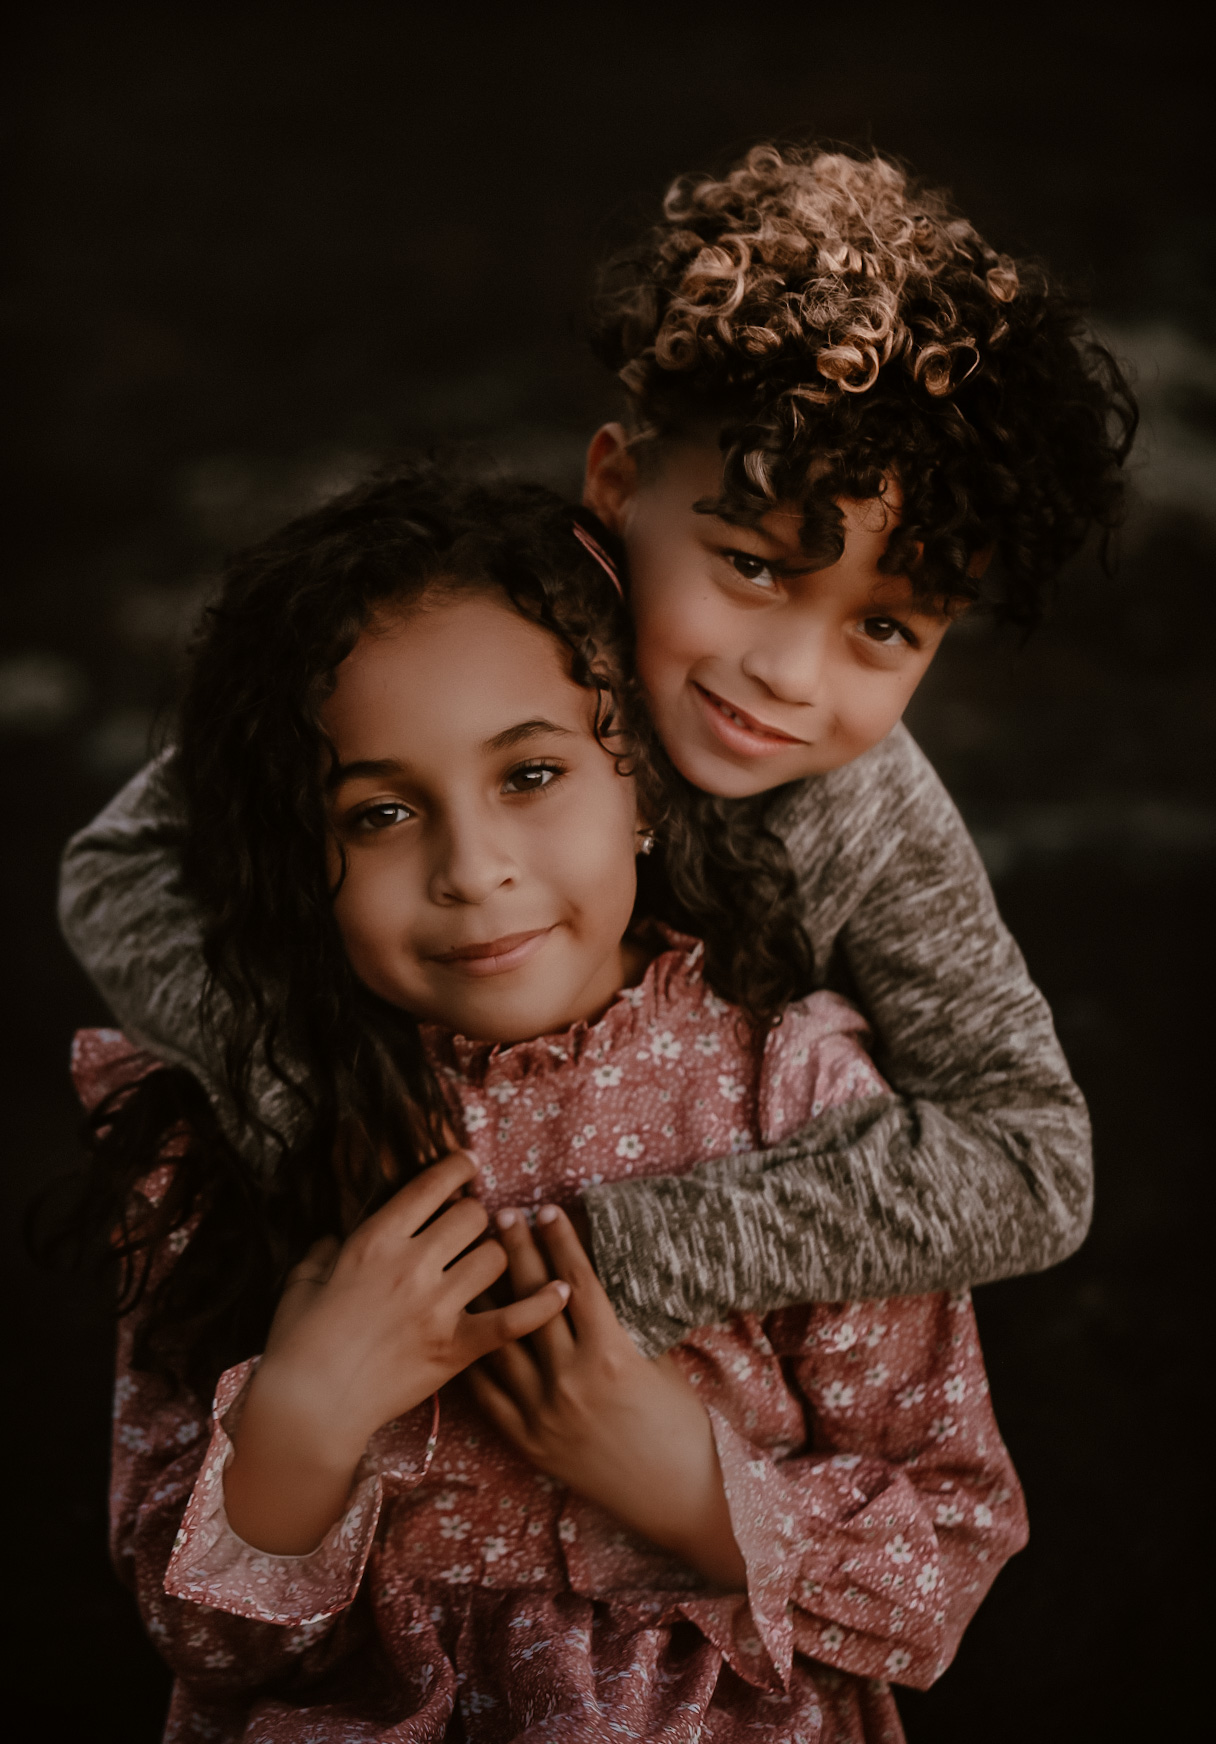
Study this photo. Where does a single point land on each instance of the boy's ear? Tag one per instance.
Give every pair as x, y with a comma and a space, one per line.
611, 477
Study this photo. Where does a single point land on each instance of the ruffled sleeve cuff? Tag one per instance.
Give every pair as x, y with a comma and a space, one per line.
756, 1636
211, 1566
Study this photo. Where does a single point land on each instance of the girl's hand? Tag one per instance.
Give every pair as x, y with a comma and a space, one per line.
364, 1332
581, 1403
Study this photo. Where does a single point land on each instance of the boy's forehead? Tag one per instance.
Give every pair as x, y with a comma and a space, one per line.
691, 471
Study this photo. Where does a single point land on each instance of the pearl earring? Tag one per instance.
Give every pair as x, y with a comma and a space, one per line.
646, 843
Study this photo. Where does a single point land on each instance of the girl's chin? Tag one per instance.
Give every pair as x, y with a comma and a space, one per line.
502, 1021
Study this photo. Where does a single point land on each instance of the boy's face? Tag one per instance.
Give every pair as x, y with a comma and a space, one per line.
489, 838
758, 669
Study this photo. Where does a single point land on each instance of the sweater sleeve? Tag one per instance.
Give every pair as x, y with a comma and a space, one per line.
138, 936
976, 1164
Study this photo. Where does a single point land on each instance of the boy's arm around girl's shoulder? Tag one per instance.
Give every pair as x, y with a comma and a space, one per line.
138, 936
978, 1167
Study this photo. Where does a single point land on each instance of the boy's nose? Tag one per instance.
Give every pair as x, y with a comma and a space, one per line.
791, 666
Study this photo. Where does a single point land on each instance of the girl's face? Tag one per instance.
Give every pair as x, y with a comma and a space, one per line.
489, 839
758, 669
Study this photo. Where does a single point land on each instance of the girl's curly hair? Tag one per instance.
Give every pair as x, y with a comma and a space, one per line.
352, 1069
839, 325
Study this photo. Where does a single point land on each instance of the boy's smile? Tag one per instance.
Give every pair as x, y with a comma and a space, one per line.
741, 731
758, 669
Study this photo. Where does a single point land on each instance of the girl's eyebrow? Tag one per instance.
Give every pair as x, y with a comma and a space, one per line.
525, 730
370, 768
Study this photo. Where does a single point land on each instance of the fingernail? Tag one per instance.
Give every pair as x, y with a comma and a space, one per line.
563, 1291
546, 1214
506, 1219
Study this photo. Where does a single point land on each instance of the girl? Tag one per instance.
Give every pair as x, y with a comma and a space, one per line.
416, 780
842, 406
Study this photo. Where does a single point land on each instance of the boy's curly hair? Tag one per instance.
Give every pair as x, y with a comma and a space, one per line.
839, 324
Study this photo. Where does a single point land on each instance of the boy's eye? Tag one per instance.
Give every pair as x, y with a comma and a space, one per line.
532, 777
751, 568
383, 816
889, 632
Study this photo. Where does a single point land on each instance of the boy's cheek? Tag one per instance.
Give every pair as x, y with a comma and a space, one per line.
674, 641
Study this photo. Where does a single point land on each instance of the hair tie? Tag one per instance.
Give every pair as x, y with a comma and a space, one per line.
601, 556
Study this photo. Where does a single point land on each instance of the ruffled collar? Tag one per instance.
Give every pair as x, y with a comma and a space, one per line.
671, 986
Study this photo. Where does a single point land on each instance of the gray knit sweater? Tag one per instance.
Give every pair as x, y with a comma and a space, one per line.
978, 1167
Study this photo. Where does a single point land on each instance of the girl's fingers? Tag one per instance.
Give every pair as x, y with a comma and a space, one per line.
553, 1342
590, 1309
483, 1333
472, 1275
517, 1374
526, 1262
419, 1200
457, 1228
499, 1407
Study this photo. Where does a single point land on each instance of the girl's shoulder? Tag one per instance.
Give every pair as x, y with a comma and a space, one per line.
103, 1061
814, 1059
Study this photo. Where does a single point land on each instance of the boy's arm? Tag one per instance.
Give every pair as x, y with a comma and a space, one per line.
139, 938
978, 1168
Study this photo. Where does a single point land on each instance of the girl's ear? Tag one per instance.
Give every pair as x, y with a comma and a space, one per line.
611, 477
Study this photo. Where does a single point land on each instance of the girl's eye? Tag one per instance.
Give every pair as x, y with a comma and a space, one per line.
532, 777
753, 569
383, 816
888, 632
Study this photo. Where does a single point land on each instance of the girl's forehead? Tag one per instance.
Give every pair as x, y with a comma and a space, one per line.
455, 668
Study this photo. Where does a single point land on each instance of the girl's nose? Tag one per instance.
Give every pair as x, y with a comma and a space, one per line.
790, 666
472, 862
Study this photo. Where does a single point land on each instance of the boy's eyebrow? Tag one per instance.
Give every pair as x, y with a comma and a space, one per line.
371, 767
738, 524
775, 546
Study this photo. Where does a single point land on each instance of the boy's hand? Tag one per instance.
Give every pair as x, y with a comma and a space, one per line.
583, 1405
364, 1332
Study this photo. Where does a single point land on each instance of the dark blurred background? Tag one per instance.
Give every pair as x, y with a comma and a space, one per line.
257, 246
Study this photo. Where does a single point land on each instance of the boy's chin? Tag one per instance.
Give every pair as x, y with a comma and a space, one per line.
727, 779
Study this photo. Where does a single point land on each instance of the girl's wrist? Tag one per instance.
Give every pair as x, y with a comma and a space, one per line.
296, 1420
289, 1479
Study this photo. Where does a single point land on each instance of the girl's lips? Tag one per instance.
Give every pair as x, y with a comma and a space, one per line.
739, 731
496, 956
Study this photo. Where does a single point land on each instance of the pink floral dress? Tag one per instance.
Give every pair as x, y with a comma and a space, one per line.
464, 1596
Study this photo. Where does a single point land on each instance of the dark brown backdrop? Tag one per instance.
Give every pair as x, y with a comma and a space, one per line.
257, 245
